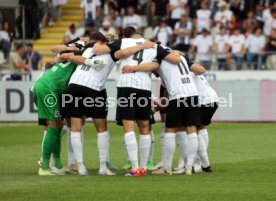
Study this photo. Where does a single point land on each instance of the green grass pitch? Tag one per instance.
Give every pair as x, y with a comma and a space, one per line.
243, 157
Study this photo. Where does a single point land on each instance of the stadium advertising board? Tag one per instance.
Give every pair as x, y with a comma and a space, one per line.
237, 98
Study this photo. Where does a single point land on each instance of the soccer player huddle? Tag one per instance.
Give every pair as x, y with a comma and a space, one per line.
79, 72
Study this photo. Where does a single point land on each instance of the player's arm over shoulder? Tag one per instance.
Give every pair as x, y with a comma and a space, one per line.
113, 46
120, 54
197, 69
172, 57
194, 67
146, 67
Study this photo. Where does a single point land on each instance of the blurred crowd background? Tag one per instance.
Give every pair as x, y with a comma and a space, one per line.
221, 35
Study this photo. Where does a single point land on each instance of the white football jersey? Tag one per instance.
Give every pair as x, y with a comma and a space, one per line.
206, 93
90, 77
137, 80
177, 79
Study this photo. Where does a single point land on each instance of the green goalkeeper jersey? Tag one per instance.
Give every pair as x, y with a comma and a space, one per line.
57, 77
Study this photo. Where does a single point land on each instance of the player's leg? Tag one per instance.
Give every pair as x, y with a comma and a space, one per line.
173, 122
76, 110
144, 144
164, 97
51, 143
72, 167
103, 145
182, 141
125, 113
191, 148
150, 164
162, 137
202, 152
191, 121
143, 115
38, 164
56, 128
76, 139
169, 149
131, 146
207, 112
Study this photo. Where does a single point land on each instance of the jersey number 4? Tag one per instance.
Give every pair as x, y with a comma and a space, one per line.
138, 56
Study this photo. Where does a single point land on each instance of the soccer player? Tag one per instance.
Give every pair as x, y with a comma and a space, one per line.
208, 101
135, 89
47, 92
182, 111
89, 82
74, 45
162, 110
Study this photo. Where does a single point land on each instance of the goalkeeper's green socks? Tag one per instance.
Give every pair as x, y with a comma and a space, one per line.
56, 151
48, 145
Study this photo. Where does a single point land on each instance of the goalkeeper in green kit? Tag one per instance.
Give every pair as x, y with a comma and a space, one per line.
48, 91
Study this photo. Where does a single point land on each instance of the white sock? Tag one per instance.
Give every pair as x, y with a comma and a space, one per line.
127, 156
162, 137
202, 152
204, 134
169, 144
108, 137
82, 136
197, 161
64, 130
77, 146
192, 149
103, 149
144, 144
182, 140
71, 156
44, 135
151, 146
132, 149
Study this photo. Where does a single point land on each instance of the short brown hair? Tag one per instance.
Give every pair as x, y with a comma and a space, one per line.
98, 36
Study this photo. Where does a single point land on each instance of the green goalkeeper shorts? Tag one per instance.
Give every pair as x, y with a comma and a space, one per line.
47, 102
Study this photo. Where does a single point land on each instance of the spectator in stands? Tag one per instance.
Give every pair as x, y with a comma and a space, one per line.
70, 34
269, 18
32, 19
238, 9
5, 40
115, 20
177, 7
112, 4
233, 24
89, 28
203, 44
193, 7
106, 28
223, 15
255, 44
203, 17
160, 9
91, 11
183, 32
17, 65
44, 6
237, 44
32, 57
163, 33
132, 19
58, 4
271, 59
249, 24
222, 47
124, 4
